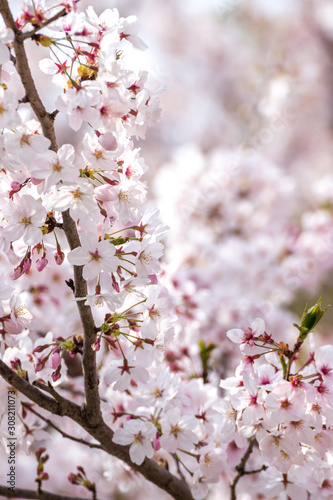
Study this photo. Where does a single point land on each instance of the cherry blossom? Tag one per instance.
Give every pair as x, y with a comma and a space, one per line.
24, 216
96, 256
139, 435
178, 431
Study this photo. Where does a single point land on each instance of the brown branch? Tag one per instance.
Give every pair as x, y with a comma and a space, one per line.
28, 390
241, 469
27, 494
177, 488
64, 434
262, 468
61, 407
91, 380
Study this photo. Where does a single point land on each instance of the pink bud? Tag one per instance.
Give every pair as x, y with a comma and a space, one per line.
16, 273
40, 452
40, 348
41, 263
55, 360
156, 442
39, 365
73, 478
59, 257
115, 284
56, 375
43, 476
96, 345
16, 364
15, 186
27, 264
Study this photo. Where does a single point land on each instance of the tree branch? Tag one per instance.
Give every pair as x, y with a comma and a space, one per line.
89, 329
28, 390
64, 434
102, 433
177, 488
241, 469
27, 494
62, 407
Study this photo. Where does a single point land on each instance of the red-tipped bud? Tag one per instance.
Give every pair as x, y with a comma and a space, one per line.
59, 257
41, 264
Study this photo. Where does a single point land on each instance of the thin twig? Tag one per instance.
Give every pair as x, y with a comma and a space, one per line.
61, 13
241, 469
64, 434
180, 472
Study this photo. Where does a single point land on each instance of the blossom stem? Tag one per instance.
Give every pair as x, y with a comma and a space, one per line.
182, 463
54, 426
121, 349
131, 307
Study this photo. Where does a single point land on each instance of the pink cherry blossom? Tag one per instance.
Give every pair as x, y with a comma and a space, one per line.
25, 217
139, 436
178, 431
96, 256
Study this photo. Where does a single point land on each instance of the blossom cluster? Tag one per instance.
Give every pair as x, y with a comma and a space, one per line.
287, 409
98, 184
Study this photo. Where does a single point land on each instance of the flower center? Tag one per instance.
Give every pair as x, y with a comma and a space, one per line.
56, 166
26, 221
94, 256
138, 438
284, 404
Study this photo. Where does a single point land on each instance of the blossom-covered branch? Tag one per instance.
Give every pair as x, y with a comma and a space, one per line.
82, 287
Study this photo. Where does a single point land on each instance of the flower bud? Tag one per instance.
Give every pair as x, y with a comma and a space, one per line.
41, 264
55, 360
40, 452
17, 273
96, 345
56, 374
156, 442
310, 318
59, 257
